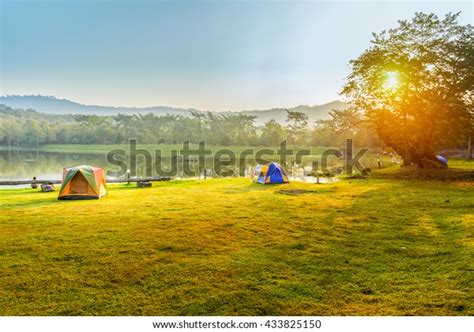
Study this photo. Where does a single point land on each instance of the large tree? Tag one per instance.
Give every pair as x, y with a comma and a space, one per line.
297, 127
273, 134
344, 124
415, 83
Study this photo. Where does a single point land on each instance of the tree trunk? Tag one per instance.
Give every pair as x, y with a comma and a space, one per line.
421, 158
469, 148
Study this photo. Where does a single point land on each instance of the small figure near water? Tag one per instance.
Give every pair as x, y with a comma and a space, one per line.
34, 185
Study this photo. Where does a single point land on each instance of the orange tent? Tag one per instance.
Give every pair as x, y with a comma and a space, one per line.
83, 182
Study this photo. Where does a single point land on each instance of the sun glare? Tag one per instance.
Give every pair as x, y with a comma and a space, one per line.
392, 81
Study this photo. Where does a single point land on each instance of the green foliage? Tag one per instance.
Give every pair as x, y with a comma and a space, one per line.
272, 132
415, 84
297, 127
342, 125
19, 127
28, 128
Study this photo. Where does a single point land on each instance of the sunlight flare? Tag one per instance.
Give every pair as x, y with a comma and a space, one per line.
392, 80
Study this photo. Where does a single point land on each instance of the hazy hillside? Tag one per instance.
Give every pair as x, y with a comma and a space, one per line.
52, 105
314, 113
5, 110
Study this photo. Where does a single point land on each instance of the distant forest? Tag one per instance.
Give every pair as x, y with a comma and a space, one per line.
19, 127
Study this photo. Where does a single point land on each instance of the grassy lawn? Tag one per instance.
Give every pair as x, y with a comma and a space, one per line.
229, 247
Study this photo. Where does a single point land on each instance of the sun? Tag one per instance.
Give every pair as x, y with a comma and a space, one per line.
392, 81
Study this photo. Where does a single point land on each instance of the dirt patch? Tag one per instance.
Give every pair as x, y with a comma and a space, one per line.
296, 192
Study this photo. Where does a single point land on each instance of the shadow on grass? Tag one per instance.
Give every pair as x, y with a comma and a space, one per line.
413, 173
405, 243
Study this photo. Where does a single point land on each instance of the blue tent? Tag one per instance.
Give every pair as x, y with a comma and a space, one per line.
271, 173
442, 160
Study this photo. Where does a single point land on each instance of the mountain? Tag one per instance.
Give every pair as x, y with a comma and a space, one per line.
32, 114
53, 105
317, 112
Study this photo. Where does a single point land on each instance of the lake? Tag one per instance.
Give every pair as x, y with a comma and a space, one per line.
23, 165
26, 164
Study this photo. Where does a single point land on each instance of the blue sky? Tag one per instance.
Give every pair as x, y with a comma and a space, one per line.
210, 55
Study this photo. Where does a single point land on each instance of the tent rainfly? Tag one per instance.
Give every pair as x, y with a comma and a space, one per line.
83, 182
271, 173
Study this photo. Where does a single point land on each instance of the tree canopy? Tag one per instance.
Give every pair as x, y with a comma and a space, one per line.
29, 128
415, 85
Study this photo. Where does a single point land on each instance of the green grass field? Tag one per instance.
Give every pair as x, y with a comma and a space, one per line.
382, 246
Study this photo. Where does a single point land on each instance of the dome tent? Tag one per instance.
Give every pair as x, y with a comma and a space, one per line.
83, 182
442, 160
271, 173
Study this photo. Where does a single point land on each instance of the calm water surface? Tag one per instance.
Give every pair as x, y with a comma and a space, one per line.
24, 165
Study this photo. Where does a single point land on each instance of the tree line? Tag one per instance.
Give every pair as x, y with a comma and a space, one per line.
20, 127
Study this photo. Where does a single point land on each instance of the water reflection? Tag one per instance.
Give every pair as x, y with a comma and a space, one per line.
24, 165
